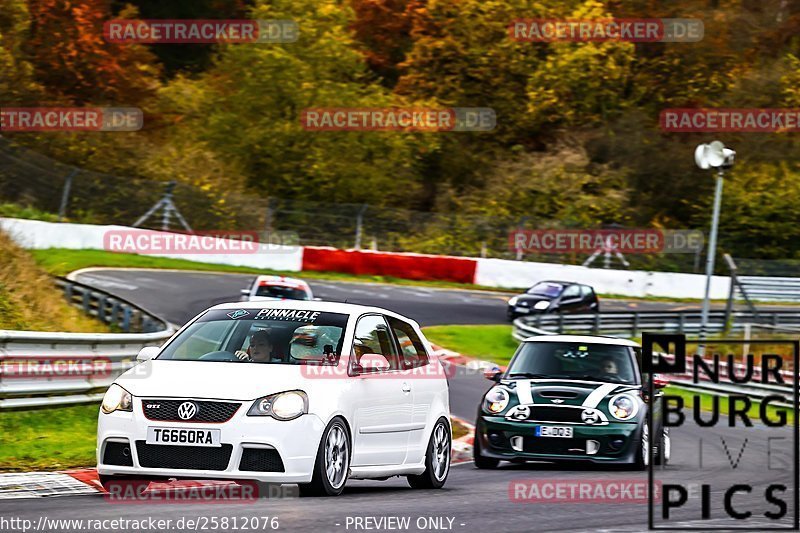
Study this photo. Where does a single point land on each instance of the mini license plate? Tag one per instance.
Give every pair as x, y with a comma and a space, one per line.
553, 431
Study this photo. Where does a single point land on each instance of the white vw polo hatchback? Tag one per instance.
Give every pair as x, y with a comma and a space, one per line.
313, 393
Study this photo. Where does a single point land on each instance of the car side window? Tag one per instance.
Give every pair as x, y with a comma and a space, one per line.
586, 292
412, 351
373, 348
571, 292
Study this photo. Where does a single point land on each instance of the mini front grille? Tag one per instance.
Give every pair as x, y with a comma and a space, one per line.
261, 460
207, 411
183, 457
118, 454
556, 414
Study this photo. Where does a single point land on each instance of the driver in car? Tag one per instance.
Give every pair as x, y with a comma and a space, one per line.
608, 368
260, 349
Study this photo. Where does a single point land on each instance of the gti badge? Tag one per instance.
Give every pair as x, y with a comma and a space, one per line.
239, 313
589, 416
187, 410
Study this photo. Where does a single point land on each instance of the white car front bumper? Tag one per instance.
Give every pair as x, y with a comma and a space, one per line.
295, 441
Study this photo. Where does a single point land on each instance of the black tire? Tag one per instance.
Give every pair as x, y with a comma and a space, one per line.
437, 458
321, 485
484, 463
660, 453
122, 487
639, 462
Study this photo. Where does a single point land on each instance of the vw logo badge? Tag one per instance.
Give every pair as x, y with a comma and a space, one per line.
589, 416
187, 410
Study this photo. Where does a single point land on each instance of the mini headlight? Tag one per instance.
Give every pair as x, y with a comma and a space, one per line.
513, 300
117, 399
281, 406
623, 406
541, 306
496, 400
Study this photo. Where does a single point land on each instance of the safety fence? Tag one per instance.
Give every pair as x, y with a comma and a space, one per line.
631, 324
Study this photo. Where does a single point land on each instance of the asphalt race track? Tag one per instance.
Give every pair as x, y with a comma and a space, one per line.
473, 500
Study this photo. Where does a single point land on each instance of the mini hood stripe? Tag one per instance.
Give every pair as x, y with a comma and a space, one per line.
597, 395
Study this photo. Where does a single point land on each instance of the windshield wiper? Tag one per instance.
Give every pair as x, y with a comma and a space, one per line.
597, 378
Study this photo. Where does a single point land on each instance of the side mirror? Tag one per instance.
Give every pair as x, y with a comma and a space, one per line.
659, 382
147, 353
245, 294
493, 374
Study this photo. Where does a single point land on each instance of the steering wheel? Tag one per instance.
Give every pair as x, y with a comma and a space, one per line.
219, 356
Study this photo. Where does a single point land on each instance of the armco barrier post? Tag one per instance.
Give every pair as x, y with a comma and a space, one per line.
126, 318
101, 308
87, 301
114, 315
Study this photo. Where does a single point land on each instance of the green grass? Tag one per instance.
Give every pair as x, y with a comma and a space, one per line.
706, 403
60, 262
492, 343
20, 211
48, 439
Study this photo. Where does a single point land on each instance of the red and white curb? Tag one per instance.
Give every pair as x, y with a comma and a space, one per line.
42, 484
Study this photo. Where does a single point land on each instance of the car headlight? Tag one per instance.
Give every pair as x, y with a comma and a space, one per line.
117, 399
496, 400
623, 406
541, 306
282, 406
513, 300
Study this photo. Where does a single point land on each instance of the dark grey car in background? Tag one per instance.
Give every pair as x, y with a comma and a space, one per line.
554, 297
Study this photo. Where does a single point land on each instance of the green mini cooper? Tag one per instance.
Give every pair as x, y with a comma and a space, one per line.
570, 398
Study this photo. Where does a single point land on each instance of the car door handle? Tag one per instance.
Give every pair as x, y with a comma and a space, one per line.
406, 388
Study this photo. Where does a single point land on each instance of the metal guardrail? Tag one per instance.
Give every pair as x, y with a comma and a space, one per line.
110, 309
629, 324
35, 367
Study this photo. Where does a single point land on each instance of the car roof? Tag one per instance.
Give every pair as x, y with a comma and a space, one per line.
586, 339
281, 280
325, 307
559, 282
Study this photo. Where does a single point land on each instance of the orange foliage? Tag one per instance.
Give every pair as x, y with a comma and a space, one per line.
74, 61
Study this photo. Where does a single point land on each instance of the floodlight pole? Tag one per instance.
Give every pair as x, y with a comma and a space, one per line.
710, 256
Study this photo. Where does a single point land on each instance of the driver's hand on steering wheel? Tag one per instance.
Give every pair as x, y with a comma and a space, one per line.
243, 356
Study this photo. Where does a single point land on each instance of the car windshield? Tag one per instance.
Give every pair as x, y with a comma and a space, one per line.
551, 290
265, 335
281, 291
574, 360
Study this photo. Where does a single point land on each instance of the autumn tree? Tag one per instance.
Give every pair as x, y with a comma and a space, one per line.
73, 60
384, 28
